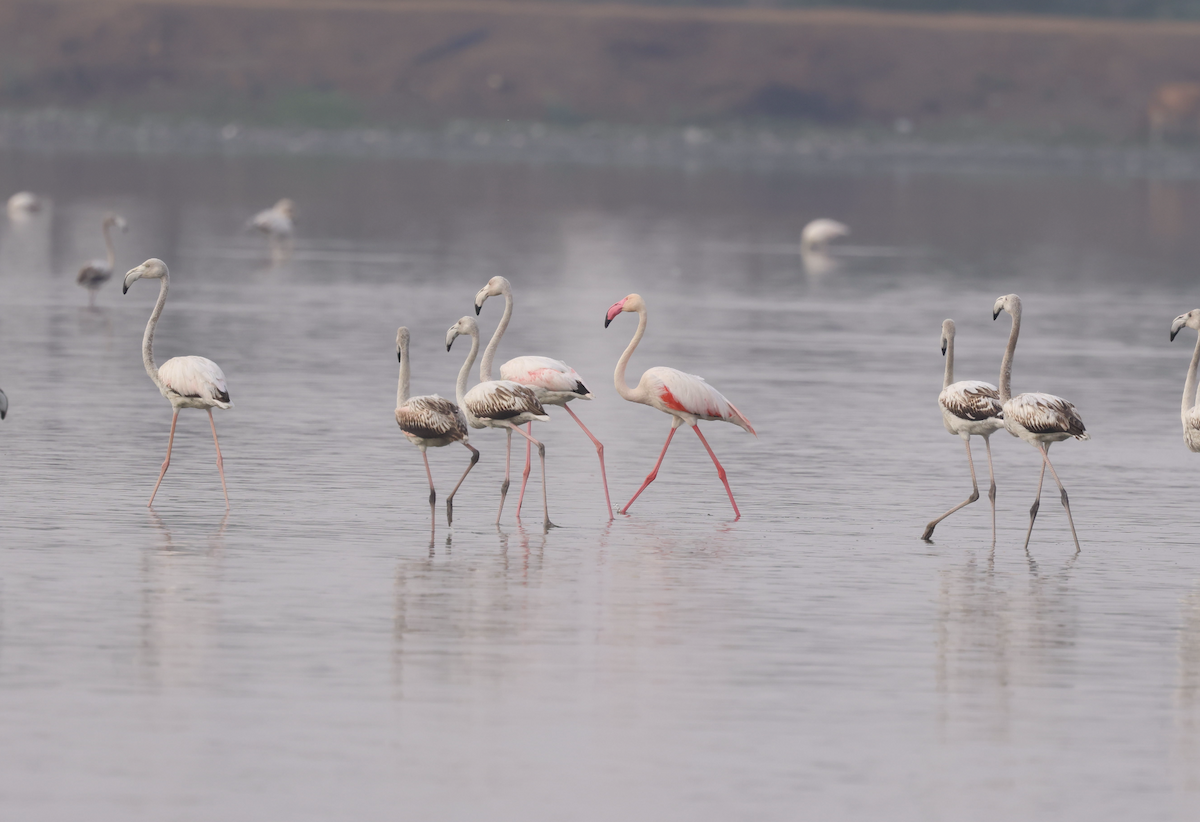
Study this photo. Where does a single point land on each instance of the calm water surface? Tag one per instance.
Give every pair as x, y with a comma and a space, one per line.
321, 653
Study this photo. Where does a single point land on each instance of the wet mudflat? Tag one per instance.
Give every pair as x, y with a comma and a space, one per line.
321, 652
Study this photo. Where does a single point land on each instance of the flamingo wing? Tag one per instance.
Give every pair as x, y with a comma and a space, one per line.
272, 221
972, 400
502, 400
97, 271
545, 373
1045, 414
432, 418
196, 377
674, 390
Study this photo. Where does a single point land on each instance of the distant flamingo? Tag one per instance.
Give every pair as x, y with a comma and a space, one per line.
429, 422
686, 397
1039, 419
554, 382
98, 272
277, 223
498, 404
1190, 412
969, 408
186, 382
23, 204
818, 234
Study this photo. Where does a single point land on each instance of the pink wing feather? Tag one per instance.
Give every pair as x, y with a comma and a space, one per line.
543, 372
674, 390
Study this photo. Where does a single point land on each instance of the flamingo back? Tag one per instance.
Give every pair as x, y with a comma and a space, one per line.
545, 373
971, 400
674, 391
503, 400
1191, 428
272, 222
432, 418
94, 273
196, 378
1045, 414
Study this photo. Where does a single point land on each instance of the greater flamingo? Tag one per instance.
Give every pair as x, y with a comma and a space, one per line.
686, 397
429, 422
818, 234
553, 381
498, 404
276, 223
186, 382
98, 272
1039, 419
22, 204
969, 408
1190, 413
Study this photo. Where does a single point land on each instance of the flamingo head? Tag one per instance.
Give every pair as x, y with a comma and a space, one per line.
947, 334
152, 269
115, 221
1010, 303
494, 288
401, 343
287, 208
633, 302
1190, 319
466, 325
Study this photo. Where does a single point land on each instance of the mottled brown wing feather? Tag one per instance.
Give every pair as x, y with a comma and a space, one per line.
973, 401
504, 402
432, 418
1047, 414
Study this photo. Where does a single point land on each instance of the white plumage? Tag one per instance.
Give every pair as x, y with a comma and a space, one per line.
194, 382
818, 234
23, 204
276, 221
548, 377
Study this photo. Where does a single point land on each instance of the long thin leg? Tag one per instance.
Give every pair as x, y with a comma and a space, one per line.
1037, 503
542, 457
91, 298
220, 462
653, 473
974, 493
1066, 503
428, 473
525, 475
507, 464
450, 499
720, 472
167, 461
600, 453
991, 487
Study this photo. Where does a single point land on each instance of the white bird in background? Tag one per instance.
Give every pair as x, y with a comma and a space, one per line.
1039, 419
98, 272
818, 234
23, 204
186, 382
686, 397
969, 408
429, 422
276, 223
498, 404
1190, 413
553, 381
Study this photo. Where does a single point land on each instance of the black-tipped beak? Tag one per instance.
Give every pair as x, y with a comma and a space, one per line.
943, 349
124, 289
1173, 333
478, 308
449, 344
606, 322
995, 314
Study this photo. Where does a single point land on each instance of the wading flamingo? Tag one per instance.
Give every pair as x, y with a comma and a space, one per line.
1039, 419
276, 223
818, 234
429, 422
98, 272
186, 382
1190, 413
969, 408
498, 404
553, 381
686, 397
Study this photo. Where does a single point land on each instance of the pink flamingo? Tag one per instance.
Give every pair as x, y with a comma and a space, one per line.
553, 381
686, 397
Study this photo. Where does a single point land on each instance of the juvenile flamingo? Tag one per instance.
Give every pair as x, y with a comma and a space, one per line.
98, 272
498, 404
686, 397
1190, 413
1039, 419
186, 382
429, 422
553, 381
969, 408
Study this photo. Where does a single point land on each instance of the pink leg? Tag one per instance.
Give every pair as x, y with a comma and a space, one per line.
541, 458
720, 472
525, 475
167, 461
650, 477
507, 465
220, 462
600, 452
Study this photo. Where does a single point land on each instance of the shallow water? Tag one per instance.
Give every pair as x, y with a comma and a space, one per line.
319, 654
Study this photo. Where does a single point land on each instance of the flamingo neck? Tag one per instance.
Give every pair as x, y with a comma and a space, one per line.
1006, 363
148, 338
108, 244
948, 380
623, 389
485, 367
1189, 387
460, 390
402, 385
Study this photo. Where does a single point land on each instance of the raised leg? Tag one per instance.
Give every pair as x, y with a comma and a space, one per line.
428, 473
653, 473
542, 457
450, 499
525, 474
167, 461
220, 462
720, 472
1037, 503
1066, 503
600, 452
974, 493
991, 486
507, 465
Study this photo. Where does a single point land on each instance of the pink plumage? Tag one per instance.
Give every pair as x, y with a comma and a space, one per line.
545, 373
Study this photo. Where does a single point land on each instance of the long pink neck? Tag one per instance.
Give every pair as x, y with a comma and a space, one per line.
623, 389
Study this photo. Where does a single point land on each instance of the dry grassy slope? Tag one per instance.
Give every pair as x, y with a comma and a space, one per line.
527, 60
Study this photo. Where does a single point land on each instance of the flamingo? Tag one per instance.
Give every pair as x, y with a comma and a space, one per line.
969, 408
98, 272
686, 397
276, 223
498, 404
429, 422
23, 204
1039, 419
553, 381
818, 234
186, 382
1190, 412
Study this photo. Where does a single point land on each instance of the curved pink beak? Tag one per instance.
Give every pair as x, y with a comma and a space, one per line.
614, 311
